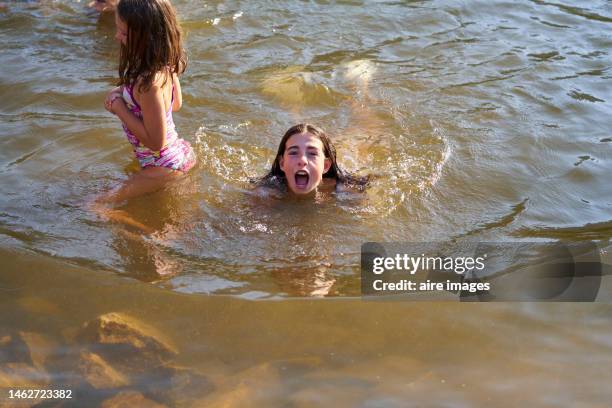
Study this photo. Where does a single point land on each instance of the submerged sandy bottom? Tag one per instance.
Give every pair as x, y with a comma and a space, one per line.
223, 351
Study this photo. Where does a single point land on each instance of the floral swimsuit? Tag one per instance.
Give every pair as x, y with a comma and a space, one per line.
177, 153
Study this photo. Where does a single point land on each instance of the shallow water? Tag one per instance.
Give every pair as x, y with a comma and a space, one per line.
484, 121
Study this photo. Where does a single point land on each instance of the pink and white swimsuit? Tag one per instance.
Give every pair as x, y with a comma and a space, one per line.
177, 153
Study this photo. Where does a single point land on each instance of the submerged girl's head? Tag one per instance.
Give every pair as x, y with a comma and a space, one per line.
305, 156
150, 38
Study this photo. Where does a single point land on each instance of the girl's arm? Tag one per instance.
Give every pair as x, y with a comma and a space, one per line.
178, 95
151, 131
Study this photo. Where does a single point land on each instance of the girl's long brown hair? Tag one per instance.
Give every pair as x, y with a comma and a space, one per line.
276, 177
154, 42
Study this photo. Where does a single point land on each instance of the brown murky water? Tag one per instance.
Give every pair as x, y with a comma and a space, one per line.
482, 121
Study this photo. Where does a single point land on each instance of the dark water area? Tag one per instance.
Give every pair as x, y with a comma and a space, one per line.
482, 121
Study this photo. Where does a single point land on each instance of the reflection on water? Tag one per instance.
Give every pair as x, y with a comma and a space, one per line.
163, 216
480, 121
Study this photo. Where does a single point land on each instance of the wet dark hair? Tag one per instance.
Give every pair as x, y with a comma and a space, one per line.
276, 177
153, 43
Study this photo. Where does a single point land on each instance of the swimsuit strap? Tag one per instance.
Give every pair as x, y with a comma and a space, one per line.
171, 99
130, 89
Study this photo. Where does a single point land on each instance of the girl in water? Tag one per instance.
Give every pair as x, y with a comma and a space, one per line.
151, 59
306, 161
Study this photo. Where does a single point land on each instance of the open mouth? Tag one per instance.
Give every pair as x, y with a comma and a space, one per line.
301, 179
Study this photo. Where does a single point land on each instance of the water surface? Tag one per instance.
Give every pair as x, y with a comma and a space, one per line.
481, 121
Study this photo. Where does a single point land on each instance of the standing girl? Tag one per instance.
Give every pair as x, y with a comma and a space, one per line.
151, 59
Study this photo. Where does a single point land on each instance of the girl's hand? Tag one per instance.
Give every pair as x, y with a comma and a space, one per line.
113, 100
116, 105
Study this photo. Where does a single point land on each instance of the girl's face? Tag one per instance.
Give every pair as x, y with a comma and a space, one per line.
304, 163
122, 29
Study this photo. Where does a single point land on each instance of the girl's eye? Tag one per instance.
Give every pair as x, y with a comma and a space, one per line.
292, 153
